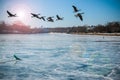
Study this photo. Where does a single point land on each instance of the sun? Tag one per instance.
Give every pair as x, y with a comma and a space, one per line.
21, 15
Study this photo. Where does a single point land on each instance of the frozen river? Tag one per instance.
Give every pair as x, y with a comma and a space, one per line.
57, 56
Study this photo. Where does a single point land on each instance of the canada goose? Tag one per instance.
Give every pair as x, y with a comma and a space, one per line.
59, 18
42, 17
10, 14
50, 19
16, 57
75, 9
35, 15
80, 16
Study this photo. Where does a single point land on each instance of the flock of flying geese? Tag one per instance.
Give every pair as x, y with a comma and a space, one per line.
50, 19
78, 14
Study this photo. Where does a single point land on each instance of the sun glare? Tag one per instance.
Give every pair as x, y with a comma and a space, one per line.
21, 15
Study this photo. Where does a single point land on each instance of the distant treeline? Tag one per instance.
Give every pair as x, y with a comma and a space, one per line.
110, 27
20, 28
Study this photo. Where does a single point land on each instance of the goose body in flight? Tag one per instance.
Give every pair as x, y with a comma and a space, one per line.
11, 15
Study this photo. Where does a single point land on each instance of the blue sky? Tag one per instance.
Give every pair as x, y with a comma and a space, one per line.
95, 11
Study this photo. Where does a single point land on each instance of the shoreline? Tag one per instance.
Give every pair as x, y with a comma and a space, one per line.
101, 34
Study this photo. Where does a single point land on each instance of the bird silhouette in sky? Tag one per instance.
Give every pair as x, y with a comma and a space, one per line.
80, 16
59, 18
35, 15
50, 19
42, 17
10, 14
75, 9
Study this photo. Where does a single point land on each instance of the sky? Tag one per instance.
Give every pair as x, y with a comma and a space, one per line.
95, 12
